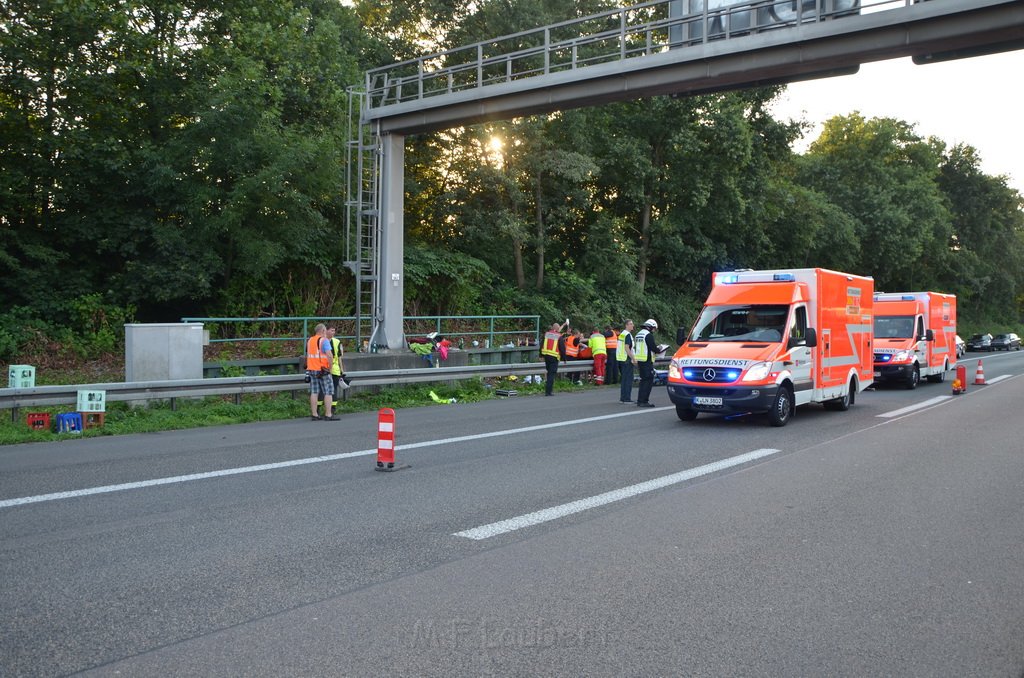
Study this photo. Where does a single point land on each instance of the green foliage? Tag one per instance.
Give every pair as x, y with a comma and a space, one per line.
884, 176
93, 327
438, 282
195, 150
227, 370
165, 159
18, 327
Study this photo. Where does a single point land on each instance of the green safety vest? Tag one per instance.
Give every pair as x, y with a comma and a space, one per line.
336, 367
598, 346
620, 353
640, 346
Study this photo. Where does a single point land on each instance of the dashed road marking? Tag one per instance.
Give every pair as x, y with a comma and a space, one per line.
915, 406
556, 512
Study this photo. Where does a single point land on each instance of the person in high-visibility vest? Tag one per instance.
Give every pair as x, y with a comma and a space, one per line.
599, 350
627, 361
318, 371
337, 365
573, 344
552, 349
611, 338
645, 349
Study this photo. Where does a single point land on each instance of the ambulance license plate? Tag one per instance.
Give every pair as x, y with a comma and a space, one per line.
707, 401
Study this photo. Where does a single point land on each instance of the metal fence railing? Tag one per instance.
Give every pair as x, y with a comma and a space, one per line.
615, 35
486, 330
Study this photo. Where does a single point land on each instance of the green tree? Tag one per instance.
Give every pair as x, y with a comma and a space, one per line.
987, 241
884, 176
168, 154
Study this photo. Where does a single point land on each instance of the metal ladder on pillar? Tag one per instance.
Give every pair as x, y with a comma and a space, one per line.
362, 216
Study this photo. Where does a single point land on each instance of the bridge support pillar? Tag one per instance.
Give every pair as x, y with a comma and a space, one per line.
388, 332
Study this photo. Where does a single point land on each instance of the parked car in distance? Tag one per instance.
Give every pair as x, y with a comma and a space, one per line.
980, 342
961, 347
1005, 342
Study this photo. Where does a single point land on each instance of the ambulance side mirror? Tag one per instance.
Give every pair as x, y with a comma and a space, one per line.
810, 340
929, 335
680, 335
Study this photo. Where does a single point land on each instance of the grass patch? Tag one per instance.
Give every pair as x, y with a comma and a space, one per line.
122, 419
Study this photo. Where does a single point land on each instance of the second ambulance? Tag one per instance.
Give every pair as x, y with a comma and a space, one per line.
767, 341
915, 336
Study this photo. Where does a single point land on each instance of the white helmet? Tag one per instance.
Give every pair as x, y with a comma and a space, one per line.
650, 322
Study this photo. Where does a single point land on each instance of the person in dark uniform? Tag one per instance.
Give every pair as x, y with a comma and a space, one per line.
645, 350
552, 349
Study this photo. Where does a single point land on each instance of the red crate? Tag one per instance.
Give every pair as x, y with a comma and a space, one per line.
38, 421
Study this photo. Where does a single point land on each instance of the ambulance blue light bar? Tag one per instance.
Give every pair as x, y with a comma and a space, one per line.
744, 277
882, 296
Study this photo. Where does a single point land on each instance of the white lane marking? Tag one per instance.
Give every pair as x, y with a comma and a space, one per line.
917, 406
555, 512
71, 494
998, 379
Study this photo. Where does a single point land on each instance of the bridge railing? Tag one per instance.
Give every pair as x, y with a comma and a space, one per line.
613, 35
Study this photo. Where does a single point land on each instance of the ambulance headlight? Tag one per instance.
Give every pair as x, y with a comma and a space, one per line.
758, 372
901, 356
674, 369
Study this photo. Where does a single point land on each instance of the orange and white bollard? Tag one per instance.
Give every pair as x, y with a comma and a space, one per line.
386, 438
979, 375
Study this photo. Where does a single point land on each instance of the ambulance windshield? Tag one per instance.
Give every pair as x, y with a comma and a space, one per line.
742, 322
894, 327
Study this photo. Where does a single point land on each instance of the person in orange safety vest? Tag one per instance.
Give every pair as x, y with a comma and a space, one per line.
318, 372
573, 344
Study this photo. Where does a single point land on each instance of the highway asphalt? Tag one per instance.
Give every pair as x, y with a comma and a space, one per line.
569, 535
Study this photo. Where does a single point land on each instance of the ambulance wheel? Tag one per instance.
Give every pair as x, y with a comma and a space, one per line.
915, 378
940, 377
782, 408
685, 413
842, 403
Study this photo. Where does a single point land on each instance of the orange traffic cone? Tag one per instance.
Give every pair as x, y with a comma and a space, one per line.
979, 376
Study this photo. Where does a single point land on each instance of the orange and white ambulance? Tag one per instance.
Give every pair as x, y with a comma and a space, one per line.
915, 336
767, 341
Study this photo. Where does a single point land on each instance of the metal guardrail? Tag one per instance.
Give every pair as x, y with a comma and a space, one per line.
43, 396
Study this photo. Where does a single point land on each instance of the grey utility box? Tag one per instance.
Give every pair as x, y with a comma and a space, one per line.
162, 351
